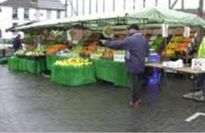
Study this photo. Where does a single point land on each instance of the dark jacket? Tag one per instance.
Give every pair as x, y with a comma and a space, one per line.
136, 50
17, 43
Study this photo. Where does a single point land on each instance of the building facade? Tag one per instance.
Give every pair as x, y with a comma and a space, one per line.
17, 12
89, 7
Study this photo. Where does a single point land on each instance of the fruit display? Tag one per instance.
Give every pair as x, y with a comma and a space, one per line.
35, 53
179, 45
74, 62
156, 43
20, 52
56, 48
38, 52
77, 49
88, 50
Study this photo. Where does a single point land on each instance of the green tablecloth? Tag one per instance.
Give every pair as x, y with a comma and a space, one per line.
73, 76
27, 65
111, 71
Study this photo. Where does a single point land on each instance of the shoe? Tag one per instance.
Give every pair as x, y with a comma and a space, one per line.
135, 104
131, 104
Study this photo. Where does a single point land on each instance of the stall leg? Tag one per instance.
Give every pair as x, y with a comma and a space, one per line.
203, 91
164, 77
3, 53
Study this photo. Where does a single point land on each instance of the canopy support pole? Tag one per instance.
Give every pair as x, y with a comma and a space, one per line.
171, 6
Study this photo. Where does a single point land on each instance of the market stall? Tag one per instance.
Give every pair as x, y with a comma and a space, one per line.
108, 64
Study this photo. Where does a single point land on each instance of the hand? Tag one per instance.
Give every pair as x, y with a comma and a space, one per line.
103, 41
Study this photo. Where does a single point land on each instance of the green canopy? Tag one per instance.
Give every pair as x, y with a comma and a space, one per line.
145, 18
172, 17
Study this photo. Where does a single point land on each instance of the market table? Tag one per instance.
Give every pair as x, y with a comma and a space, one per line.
111, 71
27, 65
186, 70
107, 70
73, 76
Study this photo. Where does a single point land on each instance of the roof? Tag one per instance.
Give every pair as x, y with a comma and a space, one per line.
51, 4
41, 4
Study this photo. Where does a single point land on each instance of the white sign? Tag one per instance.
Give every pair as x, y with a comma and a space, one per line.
187, 31
165, 30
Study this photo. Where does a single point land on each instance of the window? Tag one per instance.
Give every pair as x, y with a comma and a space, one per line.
48, 14
26, 13
14, 24
58, 14
15, 13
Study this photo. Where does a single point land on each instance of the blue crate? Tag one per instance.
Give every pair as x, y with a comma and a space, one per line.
154, 58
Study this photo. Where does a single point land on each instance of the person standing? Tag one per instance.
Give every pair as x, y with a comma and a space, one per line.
17, 43
136, 50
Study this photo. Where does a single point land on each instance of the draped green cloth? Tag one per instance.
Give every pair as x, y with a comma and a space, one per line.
27, 65
73, 76
111, 71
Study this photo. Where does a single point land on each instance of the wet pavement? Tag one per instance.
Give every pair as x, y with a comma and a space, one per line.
33, 103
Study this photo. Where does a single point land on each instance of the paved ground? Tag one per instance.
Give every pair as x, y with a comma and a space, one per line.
33, 103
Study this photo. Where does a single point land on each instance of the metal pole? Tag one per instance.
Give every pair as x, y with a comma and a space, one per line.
77, 9
156, 2
201, 6
169, 4
66, 8
144, 1
113, 5
96, 9
182, 6
200, 12
124, 5
134, 2
103, 6
83, 7
90, 7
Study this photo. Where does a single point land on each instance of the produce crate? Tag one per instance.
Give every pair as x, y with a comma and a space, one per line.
73, 76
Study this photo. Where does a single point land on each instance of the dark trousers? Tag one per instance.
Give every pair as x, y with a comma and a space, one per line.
136, 85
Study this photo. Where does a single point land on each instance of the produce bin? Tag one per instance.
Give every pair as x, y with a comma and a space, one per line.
73, 76
27, 65
114, 72
13, 63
